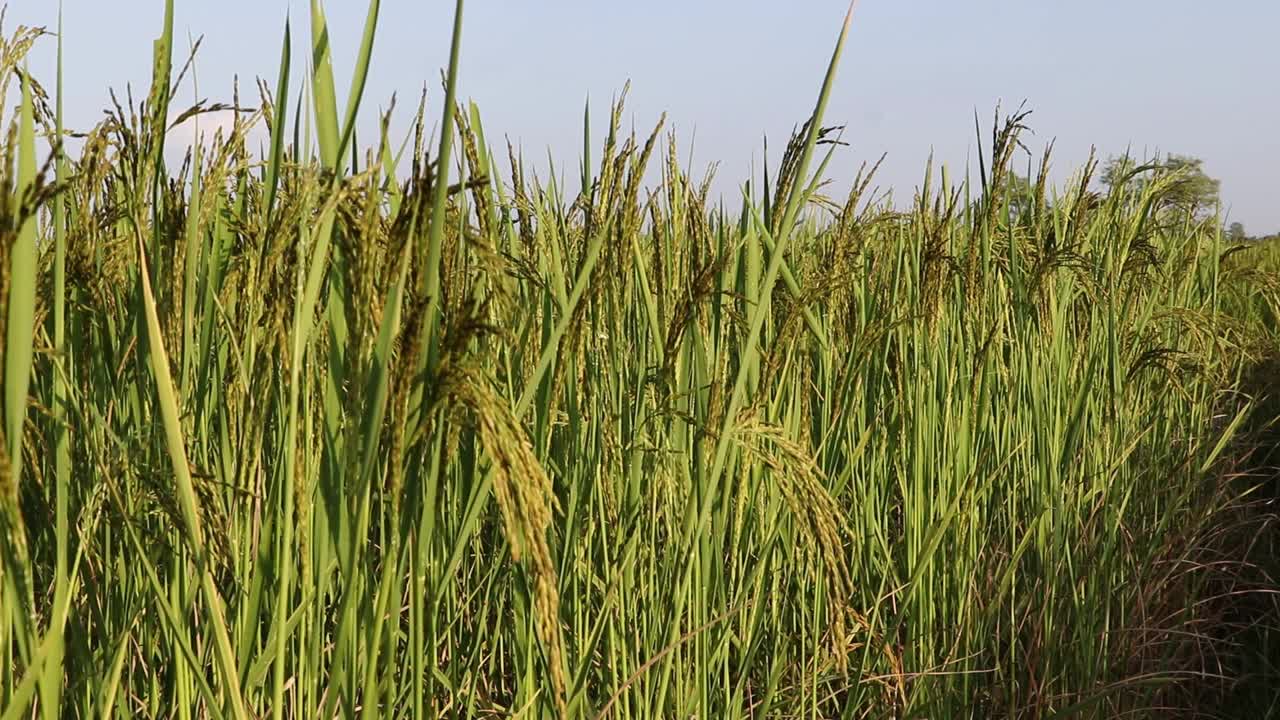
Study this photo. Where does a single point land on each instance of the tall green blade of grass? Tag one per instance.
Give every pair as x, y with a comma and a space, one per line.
430, 254
51, 681
440, 189
278, 129
284, 583
193, 230
158, 109
323, 94
333, 143
480, 497
187, 500
18, 352
23, 271
697, 516
331, 139
377, 388
359, 76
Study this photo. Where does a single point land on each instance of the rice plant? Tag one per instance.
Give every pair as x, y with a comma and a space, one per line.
406, 430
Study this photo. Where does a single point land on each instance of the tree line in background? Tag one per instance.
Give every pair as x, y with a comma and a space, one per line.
1192, 193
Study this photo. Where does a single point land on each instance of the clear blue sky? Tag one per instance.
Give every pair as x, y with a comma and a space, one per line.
1183, 76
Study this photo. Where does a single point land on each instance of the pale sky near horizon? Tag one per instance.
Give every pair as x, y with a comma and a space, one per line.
1181, 76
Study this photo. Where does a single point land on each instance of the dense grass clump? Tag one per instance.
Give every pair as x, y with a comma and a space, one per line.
409, 432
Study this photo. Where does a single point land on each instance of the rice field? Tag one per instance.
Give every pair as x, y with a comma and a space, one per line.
401, 429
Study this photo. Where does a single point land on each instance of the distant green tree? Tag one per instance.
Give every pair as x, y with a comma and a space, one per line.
1191, 189
1236, 233
1021, 194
